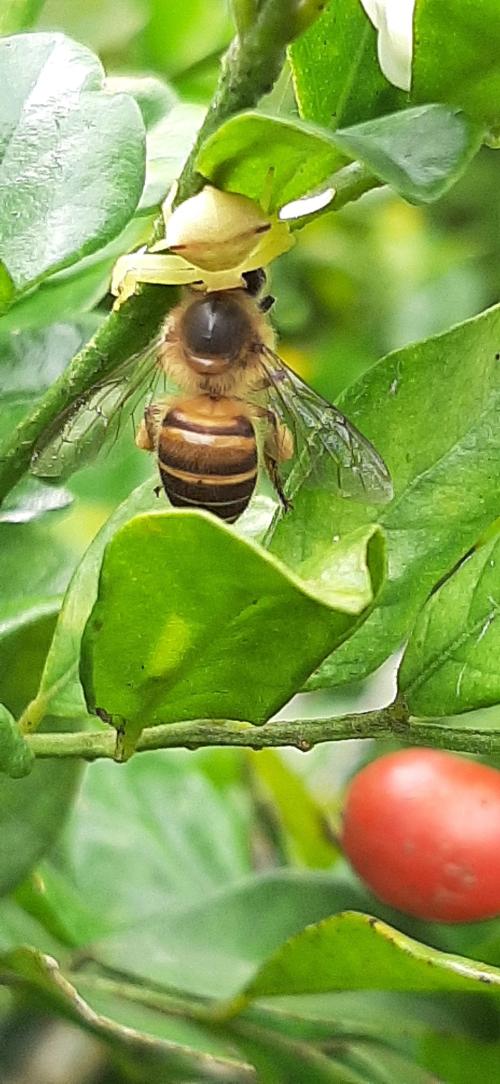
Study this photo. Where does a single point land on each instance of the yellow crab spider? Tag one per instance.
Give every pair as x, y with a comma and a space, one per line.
210, 241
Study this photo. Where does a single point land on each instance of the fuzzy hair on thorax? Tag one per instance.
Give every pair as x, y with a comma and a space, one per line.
243, 376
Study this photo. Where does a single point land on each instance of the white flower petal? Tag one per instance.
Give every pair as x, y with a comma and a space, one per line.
394, 21
375, 11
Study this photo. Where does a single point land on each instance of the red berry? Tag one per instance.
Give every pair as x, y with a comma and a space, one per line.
422, 829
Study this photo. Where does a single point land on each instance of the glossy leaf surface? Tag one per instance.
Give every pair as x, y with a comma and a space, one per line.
222, 610
71, 156
60, 683
420, 152
444, 473
16, 759
336, 73
451, 662
164, 819
457, 44
31, 810
321, 959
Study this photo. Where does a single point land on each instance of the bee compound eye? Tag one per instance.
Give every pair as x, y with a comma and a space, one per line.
216, 326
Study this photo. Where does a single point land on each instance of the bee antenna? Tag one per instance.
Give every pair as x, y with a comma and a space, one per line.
255, 281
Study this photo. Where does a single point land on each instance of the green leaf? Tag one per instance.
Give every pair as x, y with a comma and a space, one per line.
381, 1065
321, 958
168, 144
7, 289
68, 294
171, 129
336, 73
450, 1057
32, 361
32, 810
50, 898
134, 1007
19, 928
153, 96
29, 364
164, 1061
222, 607
60, 686
25, 629
177, 45
60, 689
249, 149
421, 152
457, 44
71, 156
191, 948
444, 474
280, 1060
451, 663
158, 829
25, 580
31, 499
79, 288
16, 758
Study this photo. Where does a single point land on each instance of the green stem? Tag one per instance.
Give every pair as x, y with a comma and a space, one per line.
244, 13
350, 183
301, 734
250, 68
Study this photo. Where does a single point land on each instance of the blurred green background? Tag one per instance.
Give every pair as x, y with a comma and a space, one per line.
358, 284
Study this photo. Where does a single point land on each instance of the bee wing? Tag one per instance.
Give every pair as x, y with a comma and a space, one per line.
330, 451
94, 420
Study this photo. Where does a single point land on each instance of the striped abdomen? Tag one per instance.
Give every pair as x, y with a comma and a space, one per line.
207, 455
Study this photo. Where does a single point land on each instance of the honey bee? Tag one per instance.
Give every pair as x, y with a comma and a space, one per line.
237, 405
219, 349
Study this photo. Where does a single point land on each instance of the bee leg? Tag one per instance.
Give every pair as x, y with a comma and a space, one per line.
274, 475
148, 431
278, 447
279, 444
142, 438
